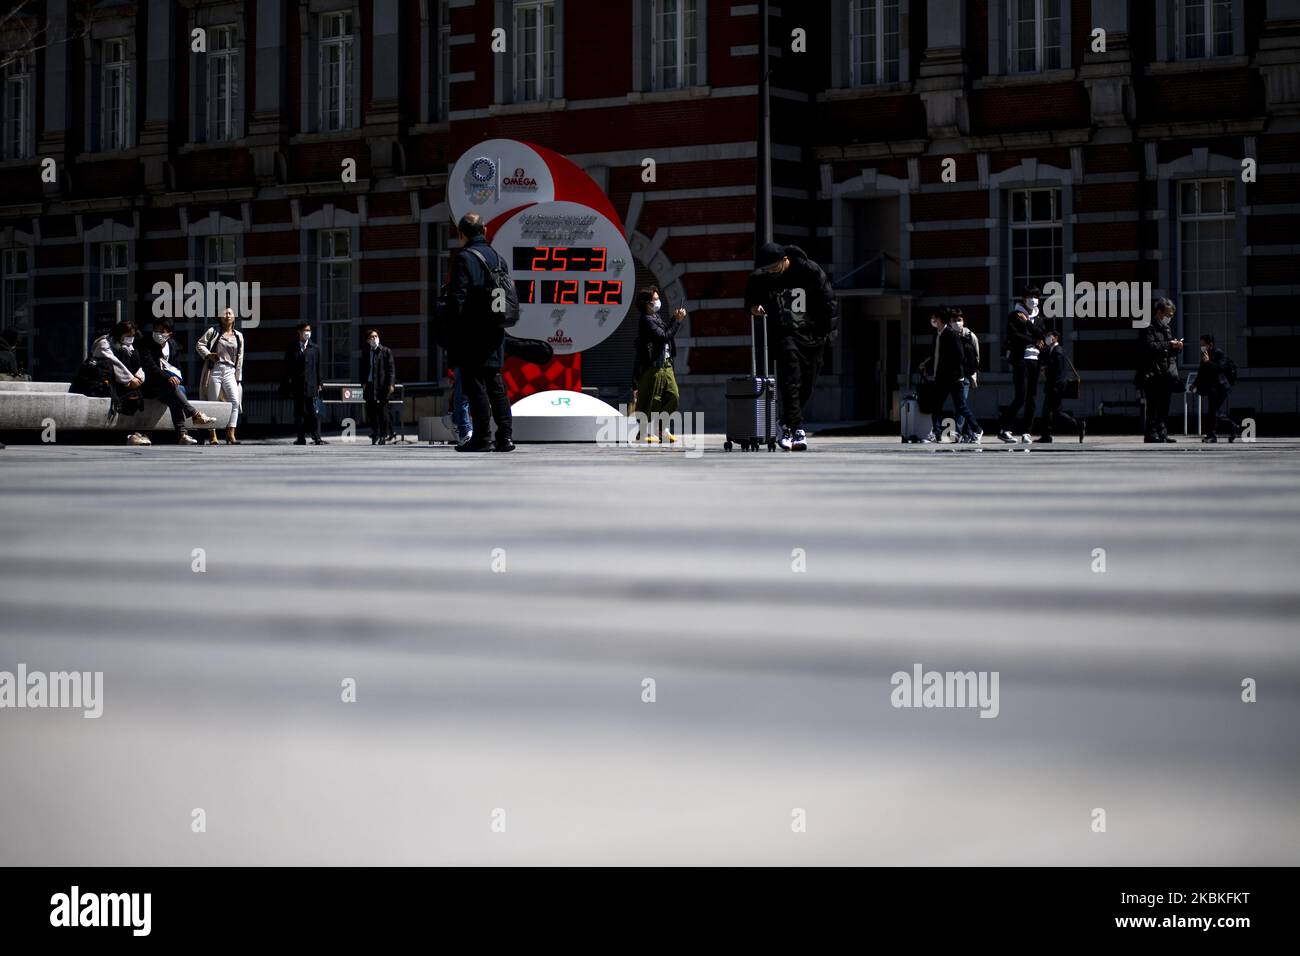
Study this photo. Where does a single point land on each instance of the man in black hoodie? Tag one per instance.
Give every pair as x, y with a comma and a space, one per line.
802, 314
1056, 376
479, 351
1157, 370
1214, 379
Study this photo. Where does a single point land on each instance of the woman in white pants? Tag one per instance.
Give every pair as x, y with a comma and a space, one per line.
222, 350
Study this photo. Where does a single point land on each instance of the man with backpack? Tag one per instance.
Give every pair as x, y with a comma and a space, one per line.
970, 349
480, 305
1058, 372
1215, 379
797, 298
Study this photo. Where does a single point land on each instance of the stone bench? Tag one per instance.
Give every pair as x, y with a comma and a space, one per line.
25, 406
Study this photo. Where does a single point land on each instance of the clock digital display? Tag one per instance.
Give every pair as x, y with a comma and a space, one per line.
559, 258
569, 291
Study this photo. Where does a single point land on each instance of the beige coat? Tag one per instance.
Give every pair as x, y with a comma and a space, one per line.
207, 346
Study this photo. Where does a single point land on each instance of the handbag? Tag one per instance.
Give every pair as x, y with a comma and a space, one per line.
1073, 383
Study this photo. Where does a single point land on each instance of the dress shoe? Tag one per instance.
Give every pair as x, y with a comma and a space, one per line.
475, 444
506, 445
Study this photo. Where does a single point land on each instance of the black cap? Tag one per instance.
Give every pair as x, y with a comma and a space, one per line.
769, 253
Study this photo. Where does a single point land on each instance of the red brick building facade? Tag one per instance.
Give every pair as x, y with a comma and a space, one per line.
233, 163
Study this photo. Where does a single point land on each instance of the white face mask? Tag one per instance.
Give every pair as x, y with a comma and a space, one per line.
128, 340
304, 337
374, 343
654, 305
1033, 305
160, 337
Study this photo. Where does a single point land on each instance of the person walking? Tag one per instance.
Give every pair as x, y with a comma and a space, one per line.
798, 302
1058, 372
1157, 371
477, 352
657, 393
970, 347
950, 377
381, 379
1214, 380
1023, 334
301, 382
222, 349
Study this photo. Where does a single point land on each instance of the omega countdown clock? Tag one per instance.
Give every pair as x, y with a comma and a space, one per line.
573, 273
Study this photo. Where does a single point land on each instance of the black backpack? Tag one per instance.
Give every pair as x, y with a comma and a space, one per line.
498, 279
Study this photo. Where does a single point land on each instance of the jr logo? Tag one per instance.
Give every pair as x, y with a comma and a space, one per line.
562, 400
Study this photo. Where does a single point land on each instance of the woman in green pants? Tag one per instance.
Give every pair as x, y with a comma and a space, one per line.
657, 391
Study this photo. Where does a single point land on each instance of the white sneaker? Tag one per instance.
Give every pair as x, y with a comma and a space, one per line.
1027, 438
185, 439
787, 440
800, 440
1007, 437
135, 438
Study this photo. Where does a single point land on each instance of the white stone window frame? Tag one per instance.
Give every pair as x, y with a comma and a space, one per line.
881, 34
1233, 260
1170, 18
10, 275
106, 265
686, 72
312, 101
327, 255
114, 95
644, 14
19, 74
541, 92
1001, 33
231, 16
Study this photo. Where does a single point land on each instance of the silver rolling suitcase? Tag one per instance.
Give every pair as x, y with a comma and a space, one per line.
915, 424
751, 402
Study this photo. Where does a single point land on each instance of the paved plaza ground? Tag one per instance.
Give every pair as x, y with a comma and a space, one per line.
500, 615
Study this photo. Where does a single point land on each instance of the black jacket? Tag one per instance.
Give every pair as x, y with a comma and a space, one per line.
385, 369
1056, 368
1156, 358
775, 293
1212, 376
8, 361
1021, 334
151, 359
478, 336
950, 368
654, 333
301, 376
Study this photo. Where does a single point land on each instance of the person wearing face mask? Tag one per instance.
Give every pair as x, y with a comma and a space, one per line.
163, 380
657, 392
381, 379
1023, 335
222, 350
1215, 378
797, 299
1057, 374
1157, 371
302, 383
119, 360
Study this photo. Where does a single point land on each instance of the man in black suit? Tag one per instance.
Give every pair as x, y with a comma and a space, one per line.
381, 379
302, 383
